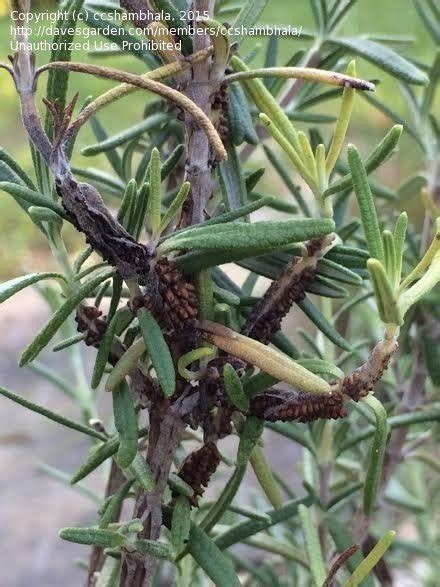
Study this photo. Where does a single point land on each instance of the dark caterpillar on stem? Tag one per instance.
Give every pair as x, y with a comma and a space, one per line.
287, 406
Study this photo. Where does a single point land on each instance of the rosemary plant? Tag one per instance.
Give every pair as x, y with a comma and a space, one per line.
188, 355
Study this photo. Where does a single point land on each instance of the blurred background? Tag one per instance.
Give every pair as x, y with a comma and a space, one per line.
33, 505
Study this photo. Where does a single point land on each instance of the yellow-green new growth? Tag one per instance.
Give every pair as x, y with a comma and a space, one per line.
155, 192
429, 280
342, 122
290, 151
426, 260
265, 358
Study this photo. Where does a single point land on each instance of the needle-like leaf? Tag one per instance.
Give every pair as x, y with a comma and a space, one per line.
366, 204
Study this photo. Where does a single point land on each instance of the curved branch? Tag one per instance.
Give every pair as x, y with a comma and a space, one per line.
147, 84
125, 89
332, 78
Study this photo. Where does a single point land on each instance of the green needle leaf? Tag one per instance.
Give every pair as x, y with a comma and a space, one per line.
31, 197
155, 548
105, 346
142, 472
384, 57
343, 540
178, 486
267, 104
243, 530
313, 548
150, 123
322, 176
319, 320
234, 388
385, 297
241, 127
221, 42
125, 364
190, 357
112, 506
429, 280
229, 216
51, 415
390, 256
44, 214
285, 174
371, 560
207, 554
291, 152
61, 315
155, 192
426, 260
175, 206
67, 342
377, 454
266, 478
10, 288
249, 237
366, 204
248, 15
307, 154
231, 180
127, 203
322, 368
386, 147
400, 421
6, 158
249, 436
171, 161
126, 425
342, 122
93, 536
399, 242
99, 454
180, 524
332, 270
158, 351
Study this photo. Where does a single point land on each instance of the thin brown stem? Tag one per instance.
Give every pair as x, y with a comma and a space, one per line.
199, 159
115, 480
341, 559
166, 428
164, 438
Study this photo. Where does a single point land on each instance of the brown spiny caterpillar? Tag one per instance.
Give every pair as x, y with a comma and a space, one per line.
277, 404
171, 299
198, 467
263, 324
91, 324
289, 288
